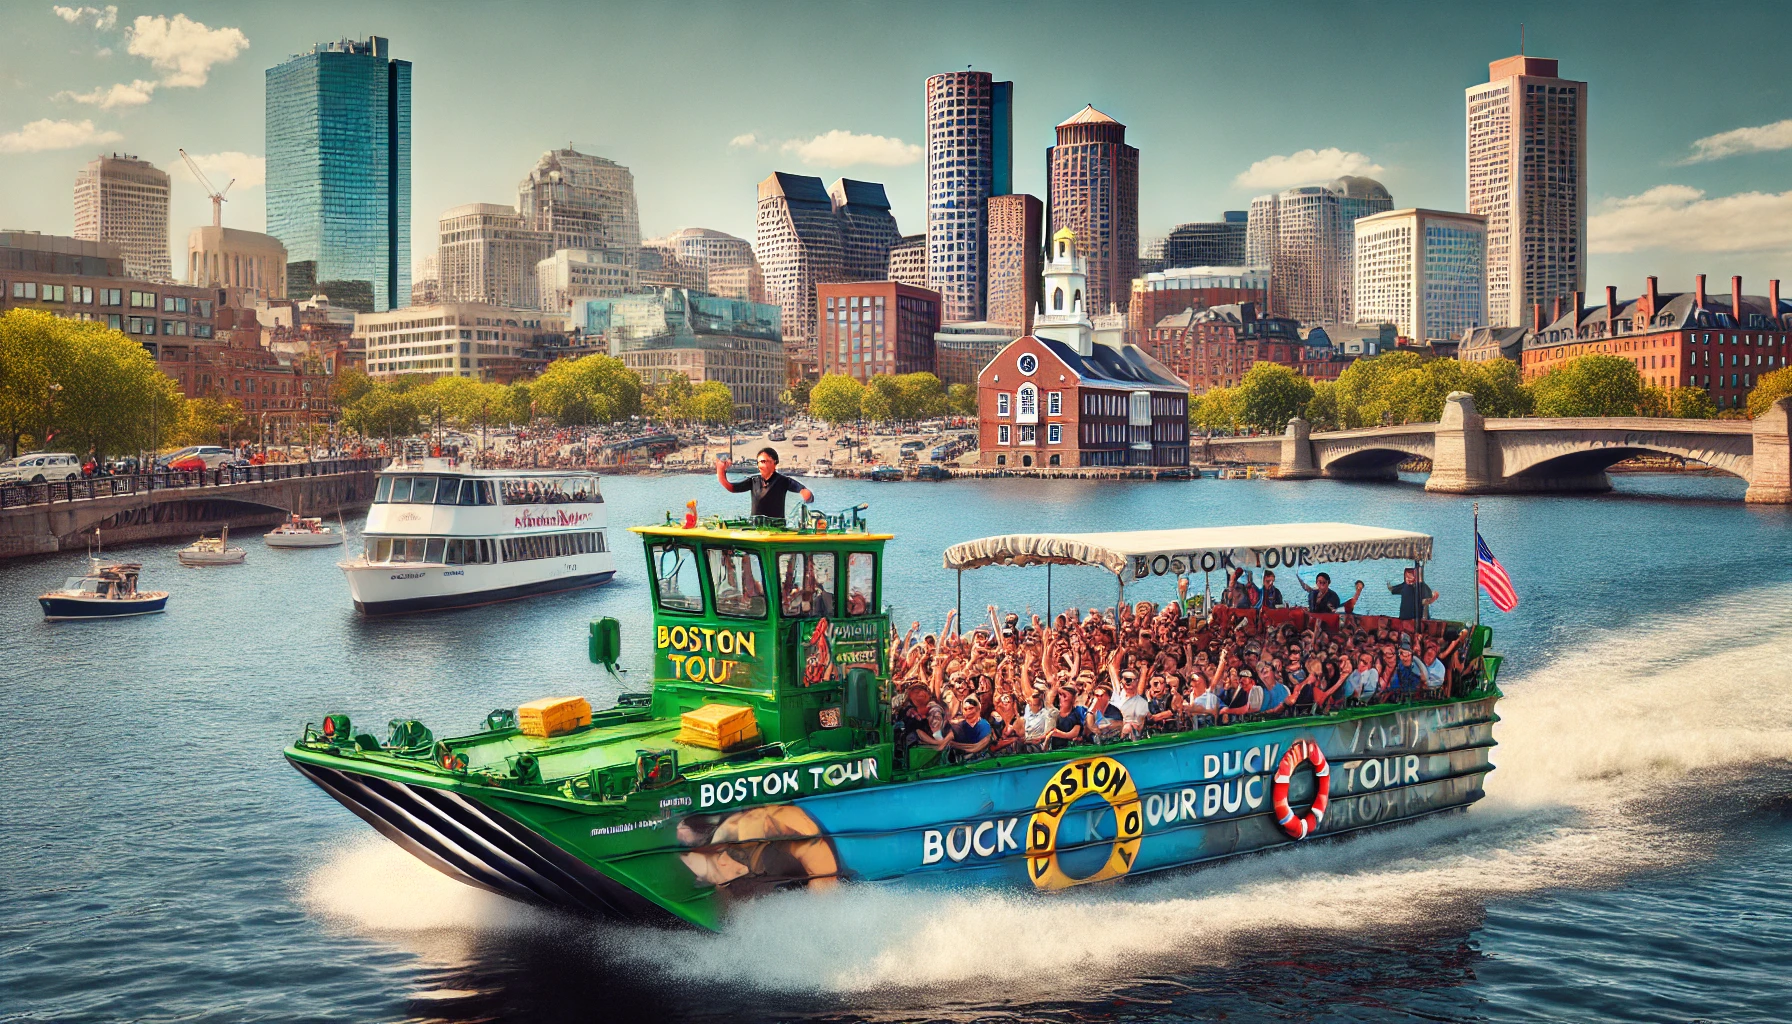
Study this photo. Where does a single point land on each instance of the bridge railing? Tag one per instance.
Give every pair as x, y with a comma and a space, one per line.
18, 495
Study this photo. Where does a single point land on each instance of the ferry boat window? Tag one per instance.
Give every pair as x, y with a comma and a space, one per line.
861, 583
423, 490
434, 552
806, 590
448, 493
455, 548
679, 586
736, 580
401, 488
383, 490
379, 549
469, 492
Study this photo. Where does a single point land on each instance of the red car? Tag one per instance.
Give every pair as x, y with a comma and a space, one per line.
191, 462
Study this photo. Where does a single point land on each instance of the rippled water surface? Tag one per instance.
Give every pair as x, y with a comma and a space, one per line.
159, 861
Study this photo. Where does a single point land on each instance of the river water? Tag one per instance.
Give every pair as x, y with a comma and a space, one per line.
159, 861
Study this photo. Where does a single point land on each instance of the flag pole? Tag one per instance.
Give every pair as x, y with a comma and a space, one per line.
1476, 553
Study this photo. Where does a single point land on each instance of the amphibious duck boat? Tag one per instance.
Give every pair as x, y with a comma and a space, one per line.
765, 756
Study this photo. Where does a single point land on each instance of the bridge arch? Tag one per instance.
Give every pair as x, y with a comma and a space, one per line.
161, 518
1371, 457
1588, 458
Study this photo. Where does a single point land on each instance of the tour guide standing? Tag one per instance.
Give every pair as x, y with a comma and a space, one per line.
769, 486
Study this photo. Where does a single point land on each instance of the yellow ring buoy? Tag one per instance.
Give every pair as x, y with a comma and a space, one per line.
1100, 776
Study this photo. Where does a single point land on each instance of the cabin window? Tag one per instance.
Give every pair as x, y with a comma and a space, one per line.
678, 583
401, 488
433, 553
486, 496
423, 490
448, 493
383, 490
455, 556
379, 549
469, 492
738, 583
806, 584
861, 583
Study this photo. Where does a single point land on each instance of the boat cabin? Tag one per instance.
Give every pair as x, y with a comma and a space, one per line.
787, 620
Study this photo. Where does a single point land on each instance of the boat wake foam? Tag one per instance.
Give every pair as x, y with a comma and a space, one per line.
1592, 745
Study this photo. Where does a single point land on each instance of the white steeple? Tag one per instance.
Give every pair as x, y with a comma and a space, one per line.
1062, 316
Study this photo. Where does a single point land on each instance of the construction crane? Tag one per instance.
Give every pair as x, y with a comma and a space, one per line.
216, 196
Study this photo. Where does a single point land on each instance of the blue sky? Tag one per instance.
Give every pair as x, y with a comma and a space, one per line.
704, 99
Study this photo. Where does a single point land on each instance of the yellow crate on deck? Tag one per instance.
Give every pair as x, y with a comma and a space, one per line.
718, 727
552, 716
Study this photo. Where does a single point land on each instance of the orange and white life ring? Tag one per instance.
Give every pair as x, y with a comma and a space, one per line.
1300, 826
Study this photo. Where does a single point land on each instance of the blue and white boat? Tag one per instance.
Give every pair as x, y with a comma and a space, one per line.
108, 591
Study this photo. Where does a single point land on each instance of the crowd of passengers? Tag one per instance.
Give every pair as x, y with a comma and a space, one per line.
545, 491
1115, 675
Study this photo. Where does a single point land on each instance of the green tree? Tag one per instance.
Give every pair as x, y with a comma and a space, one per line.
921, 396
797, 395
590, 389
1769, 388
1499, 389
384, 411
1322, 411
668, 401
1364, 387
347, 387
1596, 385
1271, 394
881, 401
1690, 404
80, 385
212, 419
1215, 411
836, 398
961, 399
711, 402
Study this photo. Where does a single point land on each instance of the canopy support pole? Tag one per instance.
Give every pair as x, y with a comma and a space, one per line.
960, 611
1475, 557
1119, 599
1048, 593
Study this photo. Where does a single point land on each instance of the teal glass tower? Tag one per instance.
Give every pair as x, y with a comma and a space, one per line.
339, 172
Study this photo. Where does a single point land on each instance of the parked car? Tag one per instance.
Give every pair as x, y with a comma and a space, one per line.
777, 434
913, 446
41, 467
845, 442
940, 454
208, 456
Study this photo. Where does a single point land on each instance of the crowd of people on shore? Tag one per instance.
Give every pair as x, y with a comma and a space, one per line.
1121, 674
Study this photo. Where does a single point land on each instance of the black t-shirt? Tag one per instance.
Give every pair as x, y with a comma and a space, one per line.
1326, 603
768, 495
1412, 599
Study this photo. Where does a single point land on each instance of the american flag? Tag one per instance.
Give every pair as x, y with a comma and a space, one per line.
1493, 577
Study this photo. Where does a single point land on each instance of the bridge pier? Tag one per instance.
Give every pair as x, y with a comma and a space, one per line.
1771, 480
1297, 452
1459, 463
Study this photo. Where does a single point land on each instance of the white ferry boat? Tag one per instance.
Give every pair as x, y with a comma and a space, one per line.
441, 534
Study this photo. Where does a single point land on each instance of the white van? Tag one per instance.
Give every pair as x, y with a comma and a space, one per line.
41, 467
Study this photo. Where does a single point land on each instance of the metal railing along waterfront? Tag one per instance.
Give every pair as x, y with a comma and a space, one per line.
19, 495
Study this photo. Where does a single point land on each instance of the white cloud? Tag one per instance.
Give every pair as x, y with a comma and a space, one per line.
1762, 139
1678, 218
121, 95
46, 134
182, 49
1305, 168
745, 141
248, 170
844, 149
97, 17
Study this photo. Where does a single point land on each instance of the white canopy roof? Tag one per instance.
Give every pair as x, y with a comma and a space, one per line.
1136, 554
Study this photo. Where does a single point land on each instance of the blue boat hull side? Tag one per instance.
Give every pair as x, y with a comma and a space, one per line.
482, 597
68, 608
1191, 802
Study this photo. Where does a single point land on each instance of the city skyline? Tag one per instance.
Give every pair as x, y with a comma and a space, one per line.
1686, 160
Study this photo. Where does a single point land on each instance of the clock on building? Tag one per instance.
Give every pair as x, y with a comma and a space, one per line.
1028, 362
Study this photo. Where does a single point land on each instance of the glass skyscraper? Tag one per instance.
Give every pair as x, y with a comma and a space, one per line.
339, 172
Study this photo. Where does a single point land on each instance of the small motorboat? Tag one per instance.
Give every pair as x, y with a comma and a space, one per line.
108, 591
212, 551
300, 532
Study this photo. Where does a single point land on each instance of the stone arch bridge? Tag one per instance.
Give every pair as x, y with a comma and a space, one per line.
46, 518
1473, 455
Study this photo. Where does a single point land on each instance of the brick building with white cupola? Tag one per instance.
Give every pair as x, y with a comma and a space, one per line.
1068, 395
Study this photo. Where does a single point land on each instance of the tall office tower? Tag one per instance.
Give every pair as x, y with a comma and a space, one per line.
1527, 173
124, 200
1424, 271
808, 235
588, 202
1207, 244
970, 157
908, 261
1016, 226
711, 250
339, 169
1093, 181
487, 254
1306, 237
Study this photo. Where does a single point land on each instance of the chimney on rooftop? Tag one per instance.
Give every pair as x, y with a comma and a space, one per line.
1698, 291
1654, 296
1558, 310
1580, 304
1736, 299
1611, 309
1773, 297
1537, 316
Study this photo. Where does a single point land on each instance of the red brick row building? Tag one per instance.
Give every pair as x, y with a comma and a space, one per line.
1217, 346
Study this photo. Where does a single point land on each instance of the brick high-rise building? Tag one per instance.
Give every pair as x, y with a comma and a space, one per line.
1155, 296
1092, 178
1016, 226
1306, 236
124, 200
970, 157
1527, 174
808, 235
872, 327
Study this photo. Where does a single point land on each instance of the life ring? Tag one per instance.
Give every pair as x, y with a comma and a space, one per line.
1100, 776
1300, 826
